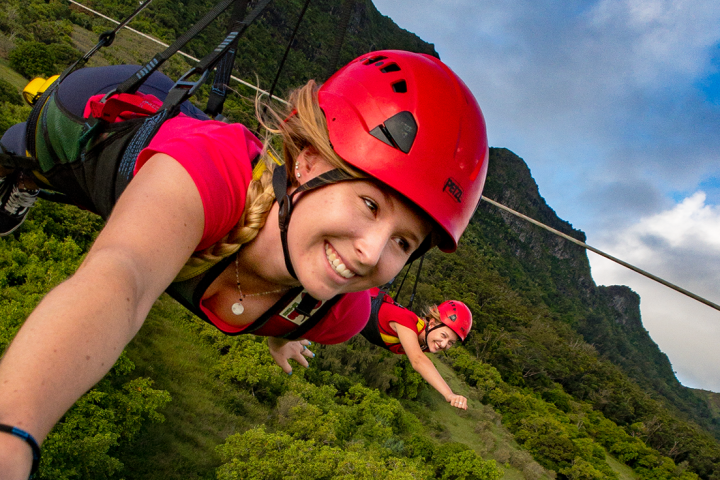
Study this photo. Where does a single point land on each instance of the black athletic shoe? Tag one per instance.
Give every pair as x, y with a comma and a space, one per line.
15, 202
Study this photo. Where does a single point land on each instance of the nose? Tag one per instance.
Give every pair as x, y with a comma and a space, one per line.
370, 246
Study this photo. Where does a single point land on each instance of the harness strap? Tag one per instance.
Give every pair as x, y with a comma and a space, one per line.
314, 319
133, 83
218, 93
371, 331
183, 88
9, 159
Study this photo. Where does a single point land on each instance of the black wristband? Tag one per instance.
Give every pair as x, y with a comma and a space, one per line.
30, 441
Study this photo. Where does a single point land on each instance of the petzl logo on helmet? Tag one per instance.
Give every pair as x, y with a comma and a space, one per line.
453, 317
453, 189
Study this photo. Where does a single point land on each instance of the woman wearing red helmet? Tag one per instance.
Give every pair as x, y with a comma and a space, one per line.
383, 161
399, 330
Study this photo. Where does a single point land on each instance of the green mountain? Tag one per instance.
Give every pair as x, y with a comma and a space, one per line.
557, 274
564, 381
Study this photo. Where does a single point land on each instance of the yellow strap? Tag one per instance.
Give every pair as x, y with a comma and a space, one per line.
389, 339
260, 166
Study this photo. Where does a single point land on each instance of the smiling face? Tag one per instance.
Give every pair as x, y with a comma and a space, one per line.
440, 339
350, 236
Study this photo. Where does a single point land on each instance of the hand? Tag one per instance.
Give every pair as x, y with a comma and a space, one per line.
457, 401
283, 350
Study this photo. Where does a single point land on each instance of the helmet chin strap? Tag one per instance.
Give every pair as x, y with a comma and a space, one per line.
285, 201
429, 330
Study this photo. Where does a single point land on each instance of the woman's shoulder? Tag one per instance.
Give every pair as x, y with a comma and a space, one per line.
218, 157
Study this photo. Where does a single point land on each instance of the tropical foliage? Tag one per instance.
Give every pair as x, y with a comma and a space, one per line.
560, 369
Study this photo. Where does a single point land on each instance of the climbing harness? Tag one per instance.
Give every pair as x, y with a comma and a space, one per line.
372, 330
106, 39
295, 313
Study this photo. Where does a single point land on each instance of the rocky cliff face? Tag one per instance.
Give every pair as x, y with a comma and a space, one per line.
557, 273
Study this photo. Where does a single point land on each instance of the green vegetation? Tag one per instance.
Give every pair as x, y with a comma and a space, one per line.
563, 380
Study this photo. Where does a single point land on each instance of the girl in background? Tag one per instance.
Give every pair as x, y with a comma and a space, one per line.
399, 330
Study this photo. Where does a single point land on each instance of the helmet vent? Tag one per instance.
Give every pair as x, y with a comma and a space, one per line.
399, 131
393, 67
375, 59
399, 87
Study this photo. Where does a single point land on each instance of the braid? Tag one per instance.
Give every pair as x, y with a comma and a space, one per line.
259, 201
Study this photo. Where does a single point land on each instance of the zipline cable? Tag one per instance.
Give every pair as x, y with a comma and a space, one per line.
492, 202
603, 254
155, 40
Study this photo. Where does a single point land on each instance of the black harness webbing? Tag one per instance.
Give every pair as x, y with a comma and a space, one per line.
218, 93
371, 331
133, 83
9, 159
287, 50
106, 39
181, 91
190, 292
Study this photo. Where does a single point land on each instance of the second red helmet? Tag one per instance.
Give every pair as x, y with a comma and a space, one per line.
407, 120
456, 316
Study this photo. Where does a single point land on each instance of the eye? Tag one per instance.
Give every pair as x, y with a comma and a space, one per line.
371, 204
403, 244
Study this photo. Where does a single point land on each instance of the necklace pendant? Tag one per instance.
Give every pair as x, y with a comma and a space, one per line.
238, 308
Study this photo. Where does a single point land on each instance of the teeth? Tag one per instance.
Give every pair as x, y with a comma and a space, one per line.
337, 264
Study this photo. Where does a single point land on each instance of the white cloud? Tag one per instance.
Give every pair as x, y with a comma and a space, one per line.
681, 245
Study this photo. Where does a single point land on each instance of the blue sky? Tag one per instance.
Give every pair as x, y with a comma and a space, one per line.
615, 107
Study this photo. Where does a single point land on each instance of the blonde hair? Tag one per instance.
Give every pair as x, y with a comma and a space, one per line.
302, 126
433, 313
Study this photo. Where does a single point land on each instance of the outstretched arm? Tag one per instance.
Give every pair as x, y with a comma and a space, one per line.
424, 366
80, 328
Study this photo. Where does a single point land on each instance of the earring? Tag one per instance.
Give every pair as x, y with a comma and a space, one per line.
297, 173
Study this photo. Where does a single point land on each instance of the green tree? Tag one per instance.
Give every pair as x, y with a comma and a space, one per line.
32, 59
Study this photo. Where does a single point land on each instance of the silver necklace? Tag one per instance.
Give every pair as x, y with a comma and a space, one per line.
238, 308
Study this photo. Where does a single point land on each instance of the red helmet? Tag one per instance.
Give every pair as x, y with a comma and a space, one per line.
456, 316
406, 119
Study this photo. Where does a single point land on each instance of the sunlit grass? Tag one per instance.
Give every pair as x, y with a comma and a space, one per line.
203, 411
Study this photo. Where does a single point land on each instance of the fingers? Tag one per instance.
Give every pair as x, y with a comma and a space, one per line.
298, 351
458, 401
301, 360
283, 363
